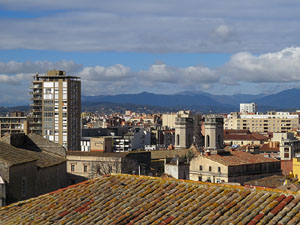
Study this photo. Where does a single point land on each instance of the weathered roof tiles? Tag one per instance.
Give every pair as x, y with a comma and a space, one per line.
127, 199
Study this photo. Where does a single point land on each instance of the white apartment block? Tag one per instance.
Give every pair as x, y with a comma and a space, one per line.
248, 107
271, 122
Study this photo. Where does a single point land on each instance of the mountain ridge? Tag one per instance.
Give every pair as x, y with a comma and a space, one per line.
199, 101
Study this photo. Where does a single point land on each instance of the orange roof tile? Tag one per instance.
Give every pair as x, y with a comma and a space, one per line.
236, 158
127, 199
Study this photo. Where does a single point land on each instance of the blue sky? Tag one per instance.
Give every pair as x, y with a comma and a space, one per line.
117, 46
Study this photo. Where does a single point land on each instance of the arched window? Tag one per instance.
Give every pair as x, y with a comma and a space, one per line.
207, 140
177, 139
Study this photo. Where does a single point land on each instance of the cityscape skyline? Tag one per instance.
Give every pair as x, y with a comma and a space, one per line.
163, 48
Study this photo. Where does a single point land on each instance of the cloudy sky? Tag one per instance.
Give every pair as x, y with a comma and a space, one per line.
117, 46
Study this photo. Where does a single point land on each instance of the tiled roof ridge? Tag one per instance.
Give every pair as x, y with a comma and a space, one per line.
19, 203
162, 180
230, 186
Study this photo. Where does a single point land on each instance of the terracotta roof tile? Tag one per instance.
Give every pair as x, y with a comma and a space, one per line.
127, 199
239, 158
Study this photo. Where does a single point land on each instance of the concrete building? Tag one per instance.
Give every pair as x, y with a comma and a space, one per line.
168, 120
289, 145
177, 167
13, 123
56, 108
232, 166
281, 122
248, 108
85, 144
87, 165
136, 138
102, 144
30, 166
243, 137
168, 137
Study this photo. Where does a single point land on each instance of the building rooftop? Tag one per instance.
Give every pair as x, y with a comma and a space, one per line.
12, 156
236, 158
98, 154
245, 136
268, 148
277, 181
128, 199
21, 148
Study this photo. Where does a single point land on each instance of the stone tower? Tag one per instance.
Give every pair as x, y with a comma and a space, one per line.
214, 132
184, 131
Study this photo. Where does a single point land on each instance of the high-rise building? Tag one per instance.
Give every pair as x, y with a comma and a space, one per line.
56, 108
248, 107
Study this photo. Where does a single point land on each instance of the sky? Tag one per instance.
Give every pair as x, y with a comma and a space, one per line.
159, 46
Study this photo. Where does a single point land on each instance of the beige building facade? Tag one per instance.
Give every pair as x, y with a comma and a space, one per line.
87, 165
14, 123
289, 145
56, 108
102, 144
272, 122
234, 166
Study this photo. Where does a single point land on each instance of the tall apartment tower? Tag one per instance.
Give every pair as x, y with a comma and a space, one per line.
214, 132
56, 108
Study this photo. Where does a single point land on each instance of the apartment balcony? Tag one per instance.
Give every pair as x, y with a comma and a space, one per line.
36, 104
36, 116
36, 122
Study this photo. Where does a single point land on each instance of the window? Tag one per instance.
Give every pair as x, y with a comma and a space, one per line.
209, 168
72, 167
200, 178
207, 140
85, 168
177, 139
219, 169
200, 167
98, 168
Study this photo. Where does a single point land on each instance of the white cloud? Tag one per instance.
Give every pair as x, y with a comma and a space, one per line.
100, 73
13, 67
13, 80
152, 26
283, 66
192, 75
261, 73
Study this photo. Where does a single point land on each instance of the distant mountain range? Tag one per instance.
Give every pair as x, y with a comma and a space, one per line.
198, 101
205, 102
